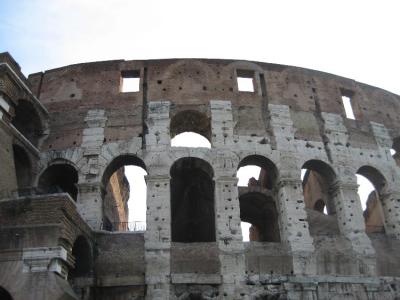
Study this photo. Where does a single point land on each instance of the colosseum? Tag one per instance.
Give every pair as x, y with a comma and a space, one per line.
67, 135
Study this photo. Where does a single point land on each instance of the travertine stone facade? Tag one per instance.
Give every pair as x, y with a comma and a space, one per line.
65, 132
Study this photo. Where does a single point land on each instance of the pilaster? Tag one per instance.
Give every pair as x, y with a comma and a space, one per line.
351, 223
229, 235
158, 237
294, 226
221, 123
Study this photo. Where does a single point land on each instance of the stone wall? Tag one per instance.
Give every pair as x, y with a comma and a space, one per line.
293, 119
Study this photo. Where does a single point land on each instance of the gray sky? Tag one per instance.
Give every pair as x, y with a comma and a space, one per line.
356, 39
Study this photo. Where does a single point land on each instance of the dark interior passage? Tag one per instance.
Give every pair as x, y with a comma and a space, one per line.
4, 295
260, 211
28, 122
59, 178
81, 251
192, 201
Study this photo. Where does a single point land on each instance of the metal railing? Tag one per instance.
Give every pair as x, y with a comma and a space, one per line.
136, 226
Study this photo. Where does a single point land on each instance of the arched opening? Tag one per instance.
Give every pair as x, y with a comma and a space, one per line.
4, 295
190, 139
22, 167
371, 183
318, 179
261, 172
192, 201
259, 210
28, 122
124, 195
82, 254
190, 128
59, 178
320, 206
257, 177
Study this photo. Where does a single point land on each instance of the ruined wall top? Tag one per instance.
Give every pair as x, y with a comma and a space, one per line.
189, 84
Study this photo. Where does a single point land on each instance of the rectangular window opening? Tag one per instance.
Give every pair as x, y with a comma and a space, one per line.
348, 107
245, 80
130, 81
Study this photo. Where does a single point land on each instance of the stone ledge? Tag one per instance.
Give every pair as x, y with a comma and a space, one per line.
196, 278
109, 281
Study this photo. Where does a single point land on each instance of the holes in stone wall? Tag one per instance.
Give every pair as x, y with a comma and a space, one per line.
59, 178
130, 81
245, 80
371, 183
192, 201
124, 195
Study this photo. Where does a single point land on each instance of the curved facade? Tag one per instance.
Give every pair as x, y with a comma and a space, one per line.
63, 208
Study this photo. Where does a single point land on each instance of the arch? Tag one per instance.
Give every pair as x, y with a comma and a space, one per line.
374, 214
260, 211
192, 201
28, 122
59, 177
322, 168
318, 185
117, 192
4, 294
317, 182
23, 167
82, 253
120, 161
190, 121
268, 173
373, 175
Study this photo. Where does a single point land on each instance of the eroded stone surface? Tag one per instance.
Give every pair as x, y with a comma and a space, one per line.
78, 117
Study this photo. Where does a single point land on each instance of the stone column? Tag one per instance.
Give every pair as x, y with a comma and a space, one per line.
90, 205
294, 225
158, 237
158, 216
158, 137
229, 236
390, 200
293, 218
221, 123
351, 223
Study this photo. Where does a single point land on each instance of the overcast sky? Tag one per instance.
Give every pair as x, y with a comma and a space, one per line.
356, 39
